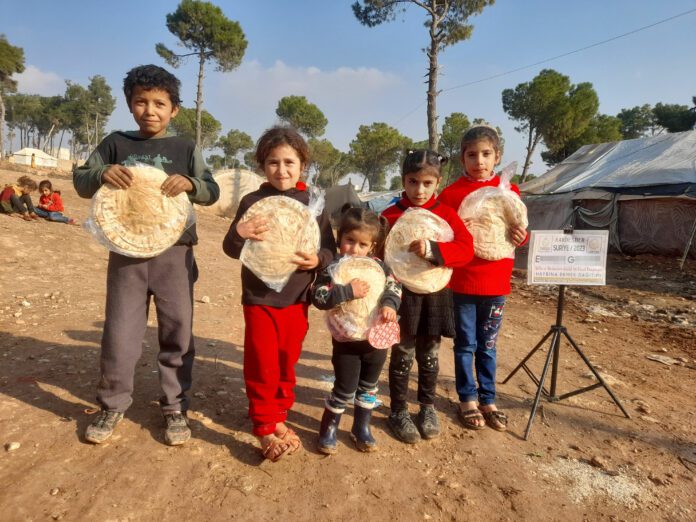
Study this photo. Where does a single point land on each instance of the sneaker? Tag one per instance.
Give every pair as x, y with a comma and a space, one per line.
427, 422
403, 427
177, 431
103, 426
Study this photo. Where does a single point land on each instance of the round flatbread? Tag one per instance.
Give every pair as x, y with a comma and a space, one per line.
492, 212
356, 316
234, 185
292, 228
140, 221
414, 272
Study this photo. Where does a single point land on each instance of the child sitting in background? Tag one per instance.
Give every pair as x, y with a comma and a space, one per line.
51, 205
16, 199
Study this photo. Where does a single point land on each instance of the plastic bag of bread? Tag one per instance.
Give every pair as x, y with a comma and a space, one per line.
491, 213
415, 273
351, 320
139, 221
292, 227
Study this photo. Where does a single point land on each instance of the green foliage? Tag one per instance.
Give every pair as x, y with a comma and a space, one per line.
396, 183
204, 28
11, 62
328, 164
637, 121
551, 109
303, 115
447, 24
601, 129
234, 143
674, 118
215, 161
376, 149
450, 143
184, 124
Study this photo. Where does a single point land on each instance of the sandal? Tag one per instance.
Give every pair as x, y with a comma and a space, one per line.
470, 418
496, 419
274, 447
291, 439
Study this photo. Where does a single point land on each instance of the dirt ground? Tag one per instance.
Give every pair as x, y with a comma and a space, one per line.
583, 461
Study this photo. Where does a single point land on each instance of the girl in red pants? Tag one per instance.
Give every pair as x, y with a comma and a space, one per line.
276, 322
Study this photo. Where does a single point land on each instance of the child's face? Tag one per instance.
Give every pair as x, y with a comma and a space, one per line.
420, 186
358, 242
283, 167
45, 191
479, 159
152, 110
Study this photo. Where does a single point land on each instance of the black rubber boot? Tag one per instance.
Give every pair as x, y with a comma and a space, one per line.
327, 432
360, 432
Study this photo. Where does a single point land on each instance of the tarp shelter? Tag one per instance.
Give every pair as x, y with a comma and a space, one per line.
41, 159
643, 191
336, 197
378, 201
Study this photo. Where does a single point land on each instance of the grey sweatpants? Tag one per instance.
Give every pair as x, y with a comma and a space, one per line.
130, 284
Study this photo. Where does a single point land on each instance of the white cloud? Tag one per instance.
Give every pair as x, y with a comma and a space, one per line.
247, 97
35, 81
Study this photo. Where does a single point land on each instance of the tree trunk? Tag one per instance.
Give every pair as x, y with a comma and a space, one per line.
2, 128
432, 86
199, 99
531, 145
96, 130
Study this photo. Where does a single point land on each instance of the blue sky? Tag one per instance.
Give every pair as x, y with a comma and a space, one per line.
358, 75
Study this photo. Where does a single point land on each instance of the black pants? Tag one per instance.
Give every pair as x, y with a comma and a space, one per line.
425, 350
131, 283
357, 366
21, 204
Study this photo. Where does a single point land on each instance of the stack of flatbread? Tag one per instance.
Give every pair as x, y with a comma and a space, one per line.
234, 185
414, 272
291, 228
139, 221
351, 320
492, 212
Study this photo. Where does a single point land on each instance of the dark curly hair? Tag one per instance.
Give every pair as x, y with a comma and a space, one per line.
281, 135
152, 77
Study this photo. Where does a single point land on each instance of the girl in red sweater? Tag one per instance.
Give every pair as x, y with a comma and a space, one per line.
425, 317
51, 205
479, 290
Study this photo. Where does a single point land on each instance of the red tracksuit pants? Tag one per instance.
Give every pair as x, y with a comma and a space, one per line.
272, 344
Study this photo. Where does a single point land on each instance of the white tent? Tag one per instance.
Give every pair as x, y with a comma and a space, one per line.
41, 159
642, 190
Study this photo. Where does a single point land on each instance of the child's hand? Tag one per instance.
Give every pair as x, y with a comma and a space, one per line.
360, 288
387, 314
417, 247
306, 261
518, 235
175, 185
117, 176
253, 229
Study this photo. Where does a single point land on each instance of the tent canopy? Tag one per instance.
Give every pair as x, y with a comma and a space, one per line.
639, 166
41, 159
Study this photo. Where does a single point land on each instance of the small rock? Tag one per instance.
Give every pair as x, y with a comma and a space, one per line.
205, 299
26, 304
54, 492
200, 395
211, 343
598, 462
12, 446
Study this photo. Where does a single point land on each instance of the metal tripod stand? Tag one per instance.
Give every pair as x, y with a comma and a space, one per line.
555, 333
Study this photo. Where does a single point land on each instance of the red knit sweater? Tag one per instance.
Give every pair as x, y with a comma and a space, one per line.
54, 202
481, 276
456, 253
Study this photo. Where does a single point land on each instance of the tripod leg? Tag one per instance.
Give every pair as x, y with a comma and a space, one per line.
554, 343
528, 356
596, 374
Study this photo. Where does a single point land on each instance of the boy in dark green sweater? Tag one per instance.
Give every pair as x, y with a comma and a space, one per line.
152, 94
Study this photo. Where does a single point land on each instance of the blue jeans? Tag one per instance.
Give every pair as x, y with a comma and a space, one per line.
477, 320
51, 216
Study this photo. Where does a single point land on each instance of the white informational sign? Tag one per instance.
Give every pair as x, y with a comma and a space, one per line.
577, 258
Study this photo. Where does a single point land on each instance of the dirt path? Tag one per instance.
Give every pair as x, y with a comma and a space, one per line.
584, 460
